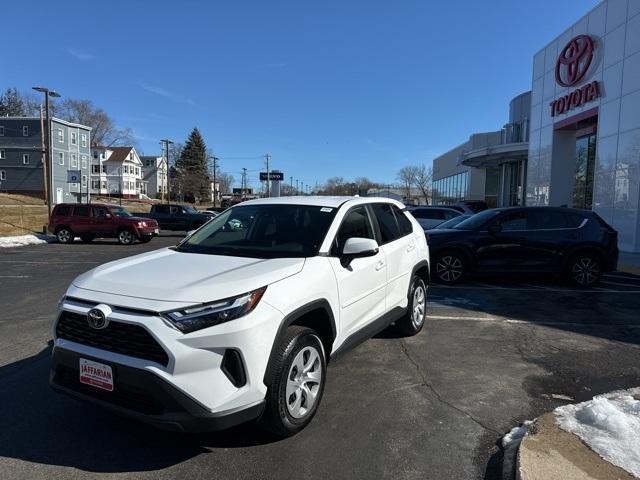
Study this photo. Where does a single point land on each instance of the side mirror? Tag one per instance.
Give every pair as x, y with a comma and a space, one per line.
357, 247
495, 228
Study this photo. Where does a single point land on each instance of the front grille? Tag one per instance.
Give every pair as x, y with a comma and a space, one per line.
124, 338
122, 395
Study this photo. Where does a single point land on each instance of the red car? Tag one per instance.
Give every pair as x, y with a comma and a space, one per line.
70, 220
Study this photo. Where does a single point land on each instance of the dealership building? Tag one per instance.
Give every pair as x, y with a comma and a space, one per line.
582, 129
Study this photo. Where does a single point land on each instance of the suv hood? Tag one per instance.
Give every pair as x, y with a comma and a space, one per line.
186, 277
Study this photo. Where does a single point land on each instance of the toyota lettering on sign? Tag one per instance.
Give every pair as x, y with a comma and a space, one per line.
572, 65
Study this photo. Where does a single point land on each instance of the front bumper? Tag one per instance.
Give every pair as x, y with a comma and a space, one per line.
218, 370
148, 231
143, 396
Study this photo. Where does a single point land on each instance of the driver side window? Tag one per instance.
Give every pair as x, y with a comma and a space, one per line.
355, 224
513, 221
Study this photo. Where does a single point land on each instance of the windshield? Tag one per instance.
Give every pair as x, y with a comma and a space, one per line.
477, 220
454, 221
263, 231
120, 212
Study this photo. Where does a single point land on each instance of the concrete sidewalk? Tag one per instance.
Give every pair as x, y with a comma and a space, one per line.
549, 453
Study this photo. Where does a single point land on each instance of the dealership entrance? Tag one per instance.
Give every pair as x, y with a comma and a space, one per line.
584, 172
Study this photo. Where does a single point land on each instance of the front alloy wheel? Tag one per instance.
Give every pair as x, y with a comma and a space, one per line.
449, 268
64, 235
295, 381
125, 237
585, 271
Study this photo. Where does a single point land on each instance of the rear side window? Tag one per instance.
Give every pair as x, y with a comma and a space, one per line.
406, 227
355, 224
389, 229
100, 212
63, 211
162, 209
428, 213
574, 220
547, 220
448, 214
81, 211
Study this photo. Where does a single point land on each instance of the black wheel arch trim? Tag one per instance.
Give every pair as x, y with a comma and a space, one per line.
298, 313
418, 266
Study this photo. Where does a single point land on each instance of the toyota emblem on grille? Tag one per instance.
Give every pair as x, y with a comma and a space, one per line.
97, 319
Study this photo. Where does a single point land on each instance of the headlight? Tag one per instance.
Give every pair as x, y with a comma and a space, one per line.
142, 224
210, 314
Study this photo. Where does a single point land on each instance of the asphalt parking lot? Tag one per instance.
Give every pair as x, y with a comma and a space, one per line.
493, 353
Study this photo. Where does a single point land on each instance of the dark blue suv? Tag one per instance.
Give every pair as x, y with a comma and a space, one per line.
555, 240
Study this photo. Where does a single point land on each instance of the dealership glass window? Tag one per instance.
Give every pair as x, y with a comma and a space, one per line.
61, 158
25, 159
60, 135
3, 175
74, 138
25, 131
583, 175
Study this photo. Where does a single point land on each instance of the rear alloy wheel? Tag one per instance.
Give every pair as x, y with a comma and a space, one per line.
413, 321
126, 237
64, 235
450, 268
585, 270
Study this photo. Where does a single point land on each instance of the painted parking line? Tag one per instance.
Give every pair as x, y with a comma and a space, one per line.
15, 276
495, 319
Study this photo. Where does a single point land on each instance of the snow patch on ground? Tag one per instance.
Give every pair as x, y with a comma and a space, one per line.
609, 424
22, 240
516, 434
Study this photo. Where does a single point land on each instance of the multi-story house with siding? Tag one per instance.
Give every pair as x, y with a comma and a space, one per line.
21, 159
154, 171
117, 172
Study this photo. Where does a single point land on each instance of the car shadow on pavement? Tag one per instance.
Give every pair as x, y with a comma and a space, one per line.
39, 426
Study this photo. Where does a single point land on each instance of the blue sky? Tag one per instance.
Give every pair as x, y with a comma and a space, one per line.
333, 88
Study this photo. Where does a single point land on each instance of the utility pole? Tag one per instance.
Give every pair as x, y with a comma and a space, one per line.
215, 185
297, 188
291, 190
268, 158
165, 143
244, 183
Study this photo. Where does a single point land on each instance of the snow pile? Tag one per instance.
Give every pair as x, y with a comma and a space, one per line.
22, 240
609, 424
516, 434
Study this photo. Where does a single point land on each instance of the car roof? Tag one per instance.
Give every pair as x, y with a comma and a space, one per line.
433, 207
320, 201
580, 211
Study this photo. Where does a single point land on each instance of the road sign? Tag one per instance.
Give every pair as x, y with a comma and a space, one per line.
73, 176
272, 176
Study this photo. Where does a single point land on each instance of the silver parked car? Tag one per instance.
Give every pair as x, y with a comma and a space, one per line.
430, 217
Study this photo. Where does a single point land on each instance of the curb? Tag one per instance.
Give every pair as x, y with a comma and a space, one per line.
549, 453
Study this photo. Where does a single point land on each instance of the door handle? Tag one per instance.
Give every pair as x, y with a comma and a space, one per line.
411, 247
379, 266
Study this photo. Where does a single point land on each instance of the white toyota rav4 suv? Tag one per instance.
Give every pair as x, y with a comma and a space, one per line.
238, 321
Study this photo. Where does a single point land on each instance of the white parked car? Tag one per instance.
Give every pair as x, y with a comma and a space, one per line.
239, 320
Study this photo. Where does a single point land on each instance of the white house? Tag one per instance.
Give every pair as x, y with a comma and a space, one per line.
117, 171
154, 172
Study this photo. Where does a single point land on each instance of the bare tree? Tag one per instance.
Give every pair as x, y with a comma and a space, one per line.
103, 129
423, 179
407, 177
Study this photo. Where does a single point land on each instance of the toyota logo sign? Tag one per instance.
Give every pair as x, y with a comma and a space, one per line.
97, 319
574, 60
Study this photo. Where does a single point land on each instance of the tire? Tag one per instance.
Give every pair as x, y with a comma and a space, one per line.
64, 235
86, 238
413, 321
293, 401
584, 270
450, 268
126, 237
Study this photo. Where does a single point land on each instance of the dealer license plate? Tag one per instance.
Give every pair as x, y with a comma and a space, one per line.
96, 374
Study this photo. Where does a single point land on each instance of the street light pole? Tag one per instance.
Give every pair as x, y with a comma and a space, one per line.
48, 167
165, 142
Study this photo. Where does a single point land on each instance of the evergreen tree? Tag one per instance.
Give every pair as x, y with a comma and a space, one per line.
192, 166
